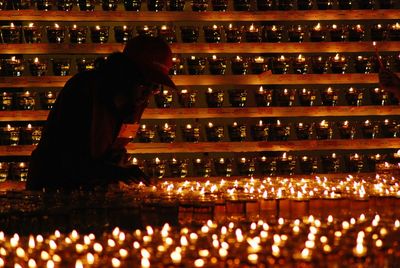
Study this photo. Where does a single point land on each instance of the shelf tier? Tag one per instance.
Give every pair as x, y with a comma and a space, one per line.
208, 80
184, 48
229, 112
251, 16
238, 147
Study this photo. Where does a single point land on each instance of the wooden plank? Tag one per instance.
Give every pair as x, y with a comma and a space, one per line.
125, 16
20, 150
39, 115
182, 48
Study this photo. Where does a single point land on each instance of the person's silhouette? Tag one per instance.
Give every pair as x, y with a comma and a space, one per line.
81, 145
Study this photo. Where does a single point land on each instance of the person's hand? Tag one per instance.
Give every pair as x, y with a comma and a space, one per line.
389, 81
135, 174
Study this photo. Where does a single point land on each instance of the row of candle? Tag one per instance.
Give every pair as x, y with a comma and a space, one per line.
198, 5
26, 100
13, 135
280, 97
278, 131
212, 34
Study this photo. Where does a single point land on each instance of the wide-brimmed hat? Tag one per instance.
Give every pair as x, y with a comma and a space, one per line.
154, 56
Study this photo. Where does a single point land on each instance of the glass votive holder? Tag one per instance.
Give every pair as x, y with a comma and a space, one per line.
319, 65
178, 168
258, 65
252, 34
372, 160
214, 133
285, 165
30, 135
123, 34
61, 67
338, 64
356, 33
386, 4
318, 33
37, 67
84, 64
77, 34
187, 97
219, 5
304, 4
109, 5
260, 131
167, 33
239, 65
157, 168
263, 97
354, 162
324, 130
279, 131
245, 166
346, 130
65, 5
237, 132
300, 65
155, 5
369, 129
212, 34
389, 128
285, 4
366, 4
47, 99
286, 97
191, 133
296, 33
223, 166
214, 98
20, 171
280, 65
241, 5
233, 34
272, 33
330, 163
217, 65
189, 34
324, 4
304, 131
354, 97
132, 5
177, 66
4, 171
11, 34
264, 5
337, 33
379, 96
176, 5
167, 133
308, 164
99, 34
266, 166
202, 167
25, 100
362, 65
238, 97
164, 98
56, 34
329, 97
199, 5
146, 133
376, 65
6, 100
196, 65
307, 97
345, 4
394, 32
86, 5
9, 135
21, 4
378, 32
12, 66
32, 33
45, 5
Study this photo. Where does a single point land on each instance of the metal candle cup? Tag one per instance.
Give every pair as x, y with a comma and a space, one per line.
308, 165
272, 33
25, 100
12, 67
77, 34
32, 33
6, 101
237, 132
354, 163
337, 33
354, 97
196, 65
9, 135
48, 99
11, 34
37, 68
318, 33
379, 96
279, 131
217, 65
157, 168
266, 166
219, 5
307, 97
145, 133
167, 133
369, 129
214, 98
167, 32
30, 135
177, 66
99, 34
109, 5
241, 5
214, 133
164, 98
323, 130
329, 97
338, 64
212, 34
264, 97
132, 5
300, 65
123, 34
187, 98
199, 5
285, 165
346, 130
233, 34
189, 34
280, 65
86, 5
223, 167
286, 97
61, 67
191, 133
304, 131
389, 129
330, 163
202, 167
245, 166
260, 131
296, 33
85, 64
238, 97
20, 171
178, 168
56, 34
239, 65
356, 33
252, 34
258, 65
319, 65
176, 5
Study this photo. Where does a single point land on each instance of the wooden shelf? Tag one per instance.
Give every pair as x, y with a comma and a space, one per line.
237, 147
185, 48
208, 80
126, 16
229, 112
